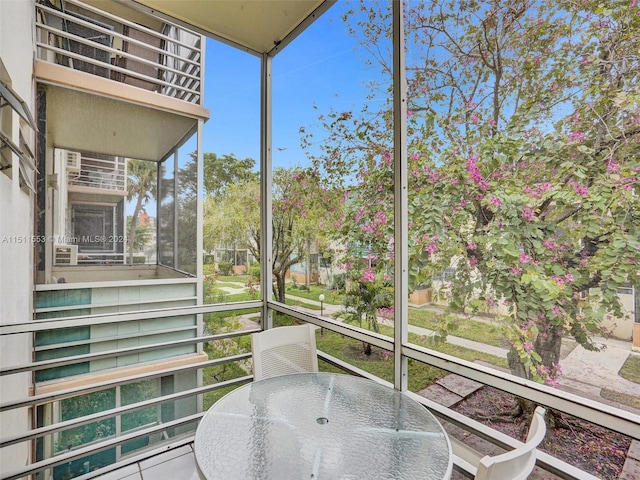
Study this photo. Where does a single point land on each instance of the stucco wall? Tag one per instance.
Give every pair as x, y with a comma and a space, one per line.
16, 230
622, 328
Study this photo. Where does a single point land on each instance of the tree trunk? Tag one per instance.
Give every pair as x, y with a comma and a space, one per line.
516, 366
548, 346
278, 289
132, 228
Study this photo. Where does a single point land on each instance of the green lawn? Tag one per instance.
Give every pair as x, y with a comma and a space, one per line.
479, 331
631, 369
314, 292
621, 398
380, 363
233, 278
219, 284
234, 281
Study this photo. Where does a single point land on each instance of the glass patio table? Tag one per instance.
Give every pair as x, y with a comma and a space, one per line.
320, 426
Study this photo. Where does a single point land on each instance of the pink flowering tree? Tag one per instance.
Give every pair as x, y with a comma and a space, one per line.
303, 214
524, 125
366, 230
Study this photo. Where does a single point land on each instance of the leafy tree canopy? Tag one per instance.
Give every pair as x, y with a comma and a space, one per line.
524, 142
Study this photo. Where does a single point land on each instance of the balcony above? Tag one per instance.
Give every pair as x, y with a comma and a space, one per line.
260, 27
95, 175
147, 70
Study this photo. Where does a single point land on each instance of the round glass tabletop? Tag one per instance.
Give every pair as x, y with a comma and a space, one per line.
320, 426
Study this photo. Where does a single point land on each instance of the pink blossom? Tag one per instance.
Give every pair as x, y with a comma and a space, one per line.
569, 278
369, 228
524, 258
559, 281
516, 271
556, 310
495, 201
581, 190
576, 136
431, 248
368, 276
473, 260
380, 217
530, 191
528, 214
552, 381
612, 166
472, 246
385, 312
543, 187
528, 346
474, 172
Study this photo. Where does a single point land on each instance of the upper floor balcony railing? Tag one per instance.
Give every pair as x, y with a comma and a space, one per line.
158, 56
107, 173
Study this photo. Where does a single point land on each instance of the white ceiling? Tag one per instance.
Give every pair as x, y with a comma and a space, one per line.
257, 25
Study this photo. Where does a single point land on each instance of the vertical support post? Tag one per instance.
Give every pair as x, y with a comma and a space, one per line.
176, 210
199, 226
199, 251
401, 225
159, 194
266, 183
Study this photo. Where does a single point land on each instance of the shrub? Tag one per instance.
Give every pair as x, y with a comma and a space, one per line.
339, 282
225, 268
254, 272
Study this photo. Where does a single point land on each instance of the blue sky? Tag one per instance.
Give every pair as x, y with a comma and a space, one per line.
322, 67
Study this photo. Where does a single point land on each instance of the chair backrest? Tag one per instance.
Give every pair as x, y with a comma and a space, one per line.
516, 464
284, 350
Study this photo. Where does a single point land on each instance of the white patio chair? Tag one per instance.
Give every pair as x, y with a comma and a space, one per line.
516, 464
284, 350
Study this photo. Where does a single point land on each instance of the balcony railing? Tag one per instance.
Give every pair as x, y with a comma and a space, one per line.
171, 408
167, 60
106, 174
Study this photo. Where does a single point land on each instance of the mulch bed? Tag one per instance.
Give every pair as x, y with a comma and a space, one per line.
584, 445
